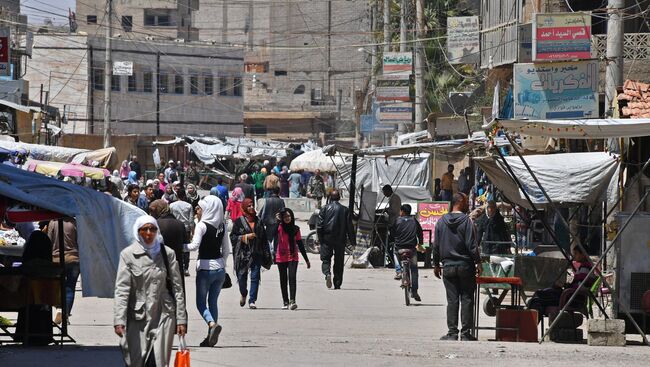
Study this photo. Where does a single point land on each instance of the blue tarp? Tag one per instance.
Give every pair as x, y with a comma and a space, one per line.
104, 224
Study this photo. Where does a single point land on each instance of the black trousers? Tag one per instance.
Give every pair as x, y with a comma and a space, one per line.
460, 284
326, 253
288, 272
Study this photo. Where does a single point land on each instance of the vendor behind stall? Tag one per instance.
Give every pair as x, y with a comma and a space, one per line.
492, 230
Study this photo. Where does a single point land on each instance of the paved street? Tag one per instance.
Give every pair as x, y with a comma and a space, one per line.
363, 324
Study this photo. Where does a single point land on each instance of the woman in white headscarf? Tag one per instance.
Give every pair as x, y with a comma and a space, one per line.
213, 244
149, 300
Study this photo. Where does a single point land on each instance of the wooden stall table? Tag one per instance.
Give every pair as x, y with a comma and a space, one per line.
515, 285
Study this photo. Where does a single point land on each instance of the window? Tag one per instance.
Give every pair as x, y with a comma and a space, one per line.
159, 18
163, 82
115, 83
223, 86
208, 88
147, 82
127, 23
280, 73
91, 19
133, 87
238, 84
194, 84
178, 84
98, 78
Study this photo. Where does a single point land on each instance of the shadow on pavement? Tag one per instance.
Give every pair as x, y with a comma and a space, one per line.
68, 355
428, 304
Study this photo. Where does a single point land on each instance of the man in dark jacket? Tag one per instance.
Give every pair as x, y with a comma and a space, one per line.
334, 227
408, 236
171, 229
454, 245
248, 189
272, 206
134, 165
492, 228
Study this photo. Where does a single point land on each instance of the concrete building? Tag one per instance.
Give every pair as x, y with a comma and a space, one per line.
302, 64
175, 88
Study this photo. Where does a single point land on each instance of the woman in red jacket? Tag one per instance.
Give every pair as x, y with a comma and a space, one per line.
286, 245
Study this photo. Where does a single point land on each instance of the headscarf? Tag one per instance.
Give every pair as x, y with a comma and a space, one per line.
285, 169
238, 194
160, 207
116, 173
152, 249
125, 164
169, 195
250, 217
212, 211
289, 228
192, 193
132, 177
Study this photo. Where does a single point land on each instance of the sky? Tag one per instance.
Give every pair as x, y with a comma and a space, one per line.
57, 10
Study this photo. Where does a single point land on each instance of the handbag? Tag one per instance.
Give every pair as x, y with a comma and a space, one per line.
227, 283
183, 354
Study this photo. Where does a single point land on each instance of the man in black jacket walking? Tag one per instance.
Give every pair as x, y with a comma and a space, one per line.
334, 227
172, 230
454, 245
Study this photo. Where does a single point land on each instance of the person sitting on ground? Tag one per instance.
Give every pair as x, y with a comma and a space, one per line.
408, 235
550, 297
491, 228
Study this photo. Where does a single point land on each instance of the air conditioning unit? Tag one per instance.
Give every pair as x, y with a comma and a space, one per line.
318, 94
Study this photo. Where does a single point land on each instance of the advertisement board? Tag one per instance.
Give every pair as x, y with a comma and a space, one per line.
429, 212
123, 68
561, 36
397, 65
394, 89
5, 50
396, 112
556, 90
463, 40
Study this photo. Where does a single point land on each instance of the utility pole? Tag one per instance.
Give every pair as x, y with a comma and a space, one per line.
419, 65
402, 128
386, 26
108, 71
614, 72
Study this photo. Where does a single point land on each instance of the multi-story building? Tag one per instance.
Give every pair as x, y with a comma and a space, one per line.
302, 60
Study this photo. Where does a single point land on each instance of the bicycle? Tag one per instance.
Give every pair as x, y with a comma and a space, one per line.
405, 257
312, 244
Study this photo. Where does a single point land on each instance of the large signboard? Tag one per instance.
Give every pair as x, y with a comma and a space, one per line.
123, 68
463, 41
556, 90
5, 69
561, 36
397, 65
429, 212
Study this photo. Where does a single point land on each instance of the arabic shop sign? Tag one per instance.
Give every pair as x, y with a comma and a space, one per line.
429, 212
463, 40
561, 36
556, 90
397, 65
394, 89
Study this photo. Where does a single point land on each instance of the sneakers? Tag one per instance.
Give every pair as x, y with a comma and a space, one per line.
328, 281
450, 337
416, 296
467, 338
242, 301
293, 306
252, 306
213, 335
285, 306
398, 276
205, 342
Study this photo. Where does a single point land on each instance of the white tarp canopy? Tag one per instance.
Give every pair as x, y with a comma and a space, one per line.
577, 129
316, 159
43, 152
104, 224
568, 178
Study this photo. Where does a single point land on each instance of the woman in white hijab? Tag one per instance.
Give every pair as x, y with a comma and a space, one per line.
213, 244
149, 300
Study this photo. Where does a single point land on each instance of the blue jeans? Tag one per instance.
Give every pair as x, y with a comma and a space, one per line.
255, 282
71, 277
414, 269
446, 195
208, 286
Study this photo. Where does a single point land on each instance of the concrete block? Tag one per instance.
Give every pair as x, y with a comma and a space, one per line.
566, 335
612, 326
606, 339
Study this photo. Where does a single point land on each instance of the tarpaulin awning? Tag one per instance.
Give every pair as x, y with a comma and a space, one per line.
317, 160
106, 158
577, 129
104, 224
568, 178
208, 153
19, 107
66, 169
444, 149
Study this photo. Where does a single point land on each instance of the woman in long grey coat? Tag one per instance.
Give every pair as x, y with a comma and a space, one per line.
146, 312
